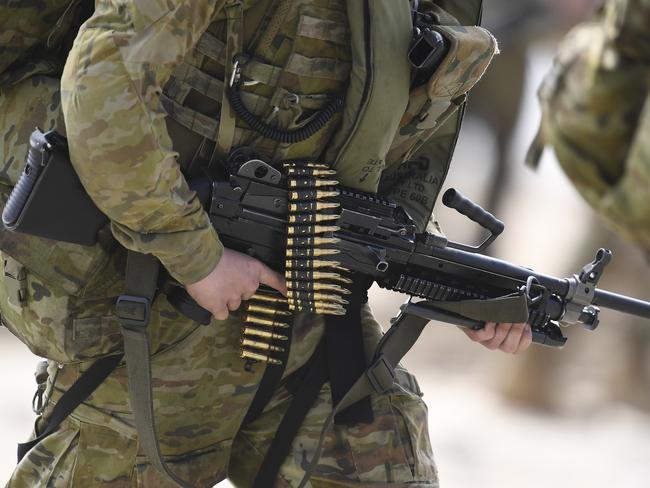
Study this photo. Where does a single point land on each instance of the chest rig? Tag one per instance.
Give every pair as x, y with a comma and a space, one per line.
285, 63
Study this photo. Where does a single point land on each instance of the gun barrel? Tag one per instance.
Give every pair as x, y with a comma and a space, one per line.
501, 267
621, 303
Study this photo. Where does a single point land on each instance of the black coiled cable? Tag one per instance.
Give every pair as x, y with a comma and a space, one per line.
293, 136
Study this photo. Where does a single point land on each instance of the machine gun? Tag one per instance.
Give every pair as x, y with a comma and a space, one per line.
321, 236
372, 236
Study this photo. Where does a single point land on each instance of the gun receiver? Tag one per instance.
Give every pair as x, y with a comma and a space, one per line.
448, 282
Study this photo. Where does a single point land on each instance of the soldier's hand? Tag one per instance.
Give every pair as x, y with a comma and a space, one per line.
511, 338
235, 279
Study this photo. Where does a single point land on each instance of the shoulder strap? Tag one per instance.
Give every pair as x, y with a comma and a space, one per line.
133, 311
315, 376
377, 93
73, 397
378, 378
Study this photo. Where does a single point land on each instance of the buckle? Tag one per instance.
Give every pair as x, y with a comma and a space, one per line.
133, 312
381, 375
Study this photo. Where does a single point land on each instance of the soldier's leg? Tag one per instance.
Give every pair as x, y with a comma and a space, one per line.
78, 454
201, 392
392, 451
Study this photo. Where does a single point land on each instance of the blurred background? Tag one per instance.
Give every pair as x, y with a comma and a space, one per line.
563, 418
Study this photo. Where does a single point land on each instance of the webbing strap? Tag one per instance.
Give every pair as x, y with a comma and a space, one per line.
506, 309
133, 313
213, 48
281, 11
346, 358
199, 80
73, 397
300, 405
193, 120
234, 47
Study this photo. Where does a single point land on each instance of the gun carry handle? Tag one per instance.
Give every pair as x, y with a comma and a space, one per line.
454, 199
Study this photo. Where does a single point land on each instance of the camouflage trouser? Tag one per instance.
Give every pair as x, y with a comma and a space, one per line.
202, 393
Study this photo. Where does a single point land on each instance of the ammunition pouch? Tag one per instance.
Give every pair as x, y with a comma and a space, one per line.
434, 101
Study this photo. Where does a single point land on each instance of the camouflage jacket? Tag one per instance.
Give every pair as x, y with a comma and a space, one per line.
596, 114
119, 139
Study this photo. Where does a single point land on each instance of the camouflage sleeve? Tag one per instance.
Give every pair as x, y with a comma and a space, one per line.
595, 114
116, 128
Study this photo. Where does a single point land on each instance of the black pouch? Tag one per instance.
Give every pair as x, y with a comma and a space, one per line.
48, 199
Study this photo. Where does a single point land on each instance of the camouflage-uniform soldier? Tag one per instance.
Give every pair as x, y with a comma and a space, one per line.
596, 114
132, 142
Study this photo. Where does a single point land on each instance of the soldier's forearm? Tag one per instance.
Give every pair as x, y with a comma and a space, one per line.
118, 139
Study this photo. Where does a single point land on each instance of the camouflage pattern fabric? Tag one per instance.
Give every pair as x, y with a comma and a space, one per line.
118, 141
23, 107
596, 114
429, 128
202, 392
58, 298
121, 147
126, 145
300, 61
26, 24
430, 105
32, 34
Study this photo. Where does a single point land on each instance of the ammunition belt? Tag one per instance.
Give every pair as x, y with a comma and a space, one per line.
315, 279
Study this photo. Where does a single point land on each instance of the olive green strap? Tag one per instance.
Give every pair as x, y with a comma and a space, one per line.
379, 378
234, 47
133, 312
507, 309
378, 91
281, 12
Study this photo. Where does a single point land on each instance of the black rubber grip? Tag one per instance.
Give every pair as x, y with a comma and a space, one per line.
454, 199
28, 178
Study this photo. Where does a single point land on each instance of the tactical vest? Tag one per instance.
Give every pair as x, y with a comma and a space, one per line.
308, 52
292, 65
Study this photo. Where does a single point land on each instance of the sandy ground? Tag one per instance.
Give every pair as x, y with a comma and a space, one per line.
593, 439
